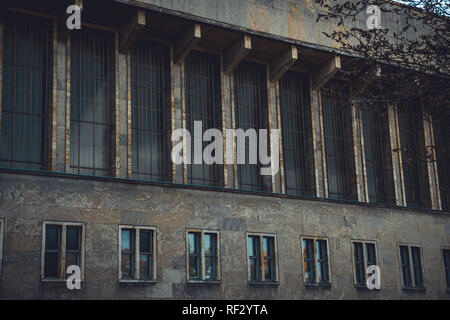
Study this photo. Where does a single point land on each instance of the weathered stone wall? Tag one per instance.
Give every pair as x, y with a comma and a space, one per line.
26, 201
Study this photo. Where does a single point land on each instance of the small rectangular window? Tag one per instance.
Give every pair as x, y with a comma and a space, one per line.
203, 255
446, 257
137, 253
411, 265
63, 246
316, 262
364, 255
262, 258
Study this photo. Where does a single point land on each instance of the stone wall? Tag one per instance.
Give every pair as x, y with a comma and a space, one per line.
27, 200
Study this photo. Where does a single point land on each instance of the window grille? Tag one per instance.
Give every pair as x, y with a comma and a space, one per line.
91, 98
297, 133
340, 162
27, 84
150, 97
251, 112
203, 103
441, 125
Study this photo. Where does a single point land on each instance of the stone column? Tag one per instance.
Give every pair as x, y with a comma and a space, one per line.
396, 156
358, 148
273, 124
176, 114
227, 123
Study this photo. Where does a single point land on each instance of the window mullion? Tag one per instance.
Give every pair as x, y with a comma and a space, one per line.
63, 252
261, 258
202, 255
137, 254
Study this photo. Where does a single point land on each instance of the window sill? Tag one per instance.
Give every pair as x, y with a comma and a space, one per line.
365, 288
203, 281
317, 285
266, 283
57, 280
137, 281
412, 289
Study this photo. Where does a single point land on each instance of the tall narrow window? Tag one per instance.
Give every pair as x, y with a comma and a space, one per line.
62, 246
446, 258
338, 142
262, 258
150, 97
137, 254
364, 256
203, 255
411, 265
251, 112
91, 97
412, 142
297, 132
27, 74
441, 125
316, 262
203, 105
377, 154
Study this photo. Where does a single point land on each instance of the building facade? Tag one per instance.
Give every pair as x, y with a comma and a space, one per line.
87, 178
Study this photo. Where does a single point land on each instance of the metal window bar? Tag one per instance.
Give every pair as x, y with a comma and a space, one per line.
413, 159
203, 103
377, 154
27, 84
150, 74
251, 112
338, 143
441, 125
92, 84
294, 109
309, 261
254, 258
146, 254
194, 255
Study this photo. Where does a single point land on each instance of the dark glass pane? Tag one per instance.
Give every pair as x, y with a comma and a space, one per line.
359, 263
52, 237
72, 259
370, 254
404, 256
26, 90
309, 262
51, 265
203, 103
73, 240
128, 237
210, 244
417, 266
441, 126
127, 266
150, 98
210, 268
194, 267
146, 266
146, 240
322, 258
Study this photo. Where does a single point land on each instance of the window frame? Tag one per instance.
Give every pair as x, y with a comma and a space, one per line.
202, 278
315, 283
62, 258
411, 267
261, 236
2, 232
364, 244
137, 254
